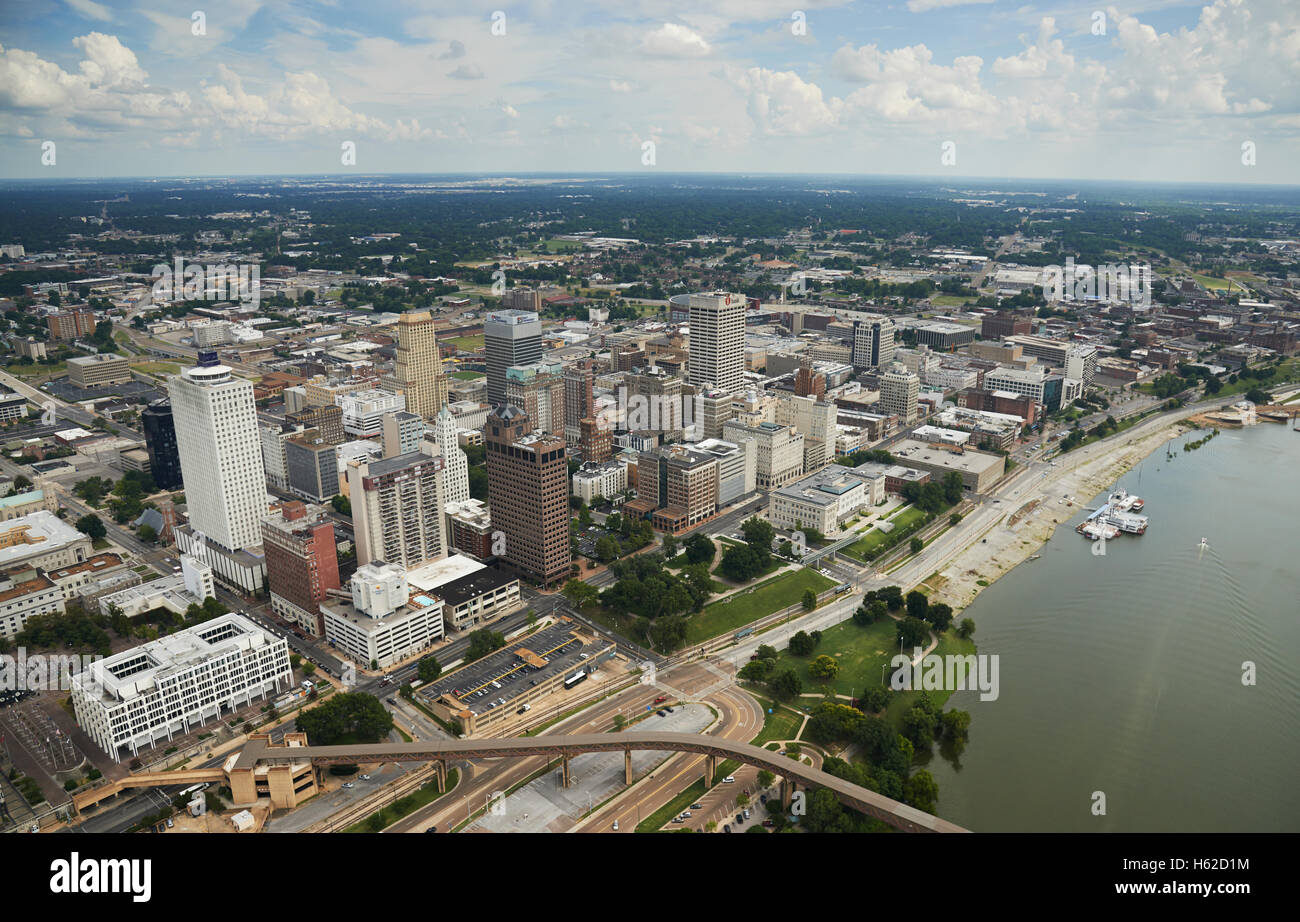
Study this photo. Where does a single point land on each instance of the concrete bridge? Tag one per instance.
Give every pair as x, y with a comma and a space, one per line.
908, 819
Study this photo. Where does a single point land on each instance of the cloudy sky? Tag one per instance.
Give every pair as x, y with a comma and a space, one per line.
1152, 90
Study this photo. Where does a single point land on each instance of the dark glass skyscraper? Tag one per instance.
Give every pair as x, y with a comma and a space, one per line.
160, 437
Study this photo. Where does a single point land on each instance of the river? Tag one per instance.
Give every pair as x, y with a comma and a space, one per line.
1122, 673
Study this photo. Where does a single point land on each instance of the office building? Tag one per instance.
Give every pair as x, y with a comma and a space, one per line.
87, 371
593, 481
874, 343
1004, 324
823, 501
12, 406
312, 466
1034, 383
815, 419
326, 419
17, 505
717, 344
471, 528
364, 411
417, 365
403, 432
979, 470
712, 410
510, 337
778, 451
384, 623
220, 452
737, 468
656, 402
302, 563
899, 391
528, 490
522, 299
455, 471
472, 593
538, 390
397, 509
271, 438
595, 440
171, 686
160, 439
579, 399
24, 593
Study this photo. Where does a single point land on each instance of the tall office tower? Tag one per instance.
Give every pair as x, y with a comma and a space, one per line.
523, 299
528, 490
717, 347
221, 456
579, 399
509, 338
712, 410
595, 440
874, 342
302, 563
455, 471
417, 366
328, 420
899, 390
403, 433
273, 436
538, 390
397, 508
160, 439
656, 402
312, 466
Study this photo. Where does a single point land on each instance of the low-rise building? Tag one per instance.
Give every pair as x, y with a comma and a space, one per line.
100, 370
16, 505
24, 593
593, 481
824, 501
383, 623
73, 580
979, 470
41, 539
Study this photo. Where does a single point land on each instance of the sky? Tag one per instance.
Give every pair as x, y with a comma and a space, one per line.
1150, 91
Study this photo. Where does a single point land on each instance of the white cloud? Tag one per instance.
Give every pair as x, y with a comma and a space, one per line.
924, 6
466, 72
673, 41
91, 10
783, 103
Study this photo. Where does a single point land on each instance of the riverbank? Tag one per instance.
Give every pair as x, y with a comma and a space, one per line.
1037, 509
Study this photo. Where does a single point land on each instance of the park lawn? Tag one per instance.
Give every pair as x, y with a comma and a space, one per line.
37, 370
906, 516
781, 724
860, 549
950, 300
467, 343
466, 375
860, 651
752, 604
157, 368
949, 644
774, 562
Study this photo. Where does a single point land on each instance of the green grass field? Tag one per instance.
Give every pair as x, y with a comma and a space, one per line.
781, 724
763, 599
467, 343
157, 368
466, 375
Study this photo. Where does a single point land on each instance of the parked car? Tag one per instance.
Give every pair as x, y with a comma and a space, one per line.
730, 779
739, 820
349, 785
170, 823
616, 825
661, 699
697, 806
365, 777
726, 829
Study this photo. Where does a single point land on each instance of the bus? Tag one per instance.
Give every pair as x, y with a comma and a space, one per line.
194, 789
575, 679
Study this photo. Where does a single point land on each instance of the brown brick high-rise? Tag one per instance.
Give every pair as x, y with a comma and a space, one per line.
528, 491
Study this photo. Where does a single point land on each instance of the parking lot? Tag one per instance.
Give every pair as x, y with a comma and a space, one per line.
513, 671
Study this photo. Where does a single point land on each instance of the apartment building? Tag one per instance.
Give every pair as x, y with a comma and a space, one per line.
397, 508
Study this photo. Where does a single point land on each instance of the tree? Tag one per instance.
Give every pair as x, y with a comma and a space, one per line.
429, 669
765, 778
619, 721
757, 670
786, 685
917, 603
1257, 395
915, 545
954, 518
581, 594
940, 615
921, 791
147, 533
342, 505
482, 642
742, 562
759, 534
892, 596
92, 526
824, 667
809, 600
699, 549
349, 716
966, 629
670, 546
912, 632
801, 644
606, 549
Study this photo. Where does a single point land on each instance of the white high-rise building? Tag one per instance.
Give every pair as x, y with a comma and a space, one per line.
717, 344
397, 508
455, 471
221, 454
899, 391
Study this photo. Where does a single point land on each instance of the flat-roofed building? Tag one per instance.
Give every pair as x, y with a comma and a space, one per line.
24, 593
737, 468
312, 466
364, 411
170, 686
397, 508
778, 451
594, 481
41, 539
472, 593
979, 470
528, 487
302, 563
87, 371
73, 579
384, 623
824, 501
17, 505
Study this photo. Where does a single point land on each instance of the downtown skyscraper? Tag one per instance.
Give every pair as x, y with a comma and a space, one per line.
417, 365
717, 346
